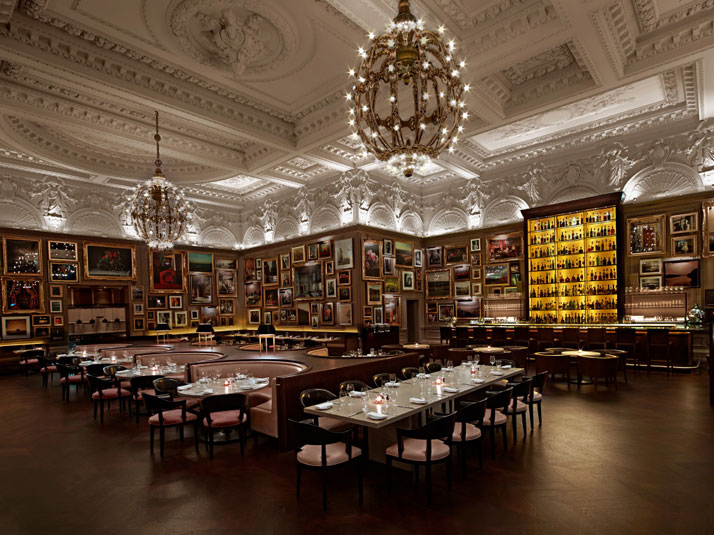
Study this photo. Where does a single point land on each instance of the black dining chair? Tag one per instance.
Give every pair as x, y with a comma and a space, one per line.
357, 386
71, 375
224, 412
320, 449
409, 372
379, 379
138, 386
518, 406
535, 396
315, 396
469, 420
164, 414
495, 418
424, 446
105, 389
433, 367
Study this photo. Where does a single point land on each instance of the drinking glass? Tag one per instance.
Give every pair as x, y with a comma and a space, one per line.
350, 388
392, 378
492, 360
343, 396
450, 364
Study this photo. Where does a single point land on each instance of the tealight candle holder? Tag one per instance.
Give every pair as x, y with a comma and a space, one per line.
155, 368
439, 381
226, 383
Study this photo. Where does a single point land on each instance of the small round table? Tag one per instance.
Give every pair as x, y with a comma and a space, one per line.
488, 349
416, 346
265, 338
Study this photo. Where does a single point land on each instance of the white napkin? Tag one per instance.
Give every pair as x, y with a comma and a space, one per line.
506, 367
496, 373
422, 375
262, 379
478, 381
208, 391
447, 369
391, 384
376, 416
183, 388
450, 389
324, 406
356, 394
417, 401
246, 387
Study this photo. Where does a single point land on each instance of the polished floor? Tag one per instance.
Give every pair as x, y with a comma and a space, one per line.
635, 461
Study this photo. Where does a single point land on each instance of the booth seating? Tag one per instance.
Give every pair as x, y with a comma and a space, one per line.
263, 412
96, 348
178, 357
319, 352
133, 351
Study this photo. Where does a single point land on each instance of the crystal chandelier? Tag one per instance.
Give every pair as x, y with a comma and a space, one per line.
158, 209
407, 102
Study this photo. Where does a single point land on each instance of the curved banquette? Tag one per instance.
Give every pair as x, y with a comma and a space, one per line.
178, 357
95, 348
132, 351
263, 412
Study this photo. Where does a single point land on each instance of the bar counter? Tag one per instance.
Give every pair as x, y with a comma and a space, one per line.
644, 342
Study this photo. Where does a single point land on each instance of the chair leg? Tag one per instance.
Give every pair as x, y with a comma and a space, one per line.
151, 438
389, 475
299, 477
162, 437
530, 412
540, 416
514, 424
523, 421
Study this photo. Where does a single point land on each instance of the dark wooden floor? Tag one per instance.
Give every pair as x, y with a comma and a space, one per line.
640, 460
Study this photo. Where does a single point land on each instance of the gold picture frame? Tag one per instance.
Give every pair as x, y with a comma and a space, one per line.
7, 241
92, 257
182, 273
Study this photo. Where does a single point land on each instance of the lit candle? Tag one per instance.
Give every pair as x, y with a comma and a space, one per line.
379, 401
154, 369
226, 383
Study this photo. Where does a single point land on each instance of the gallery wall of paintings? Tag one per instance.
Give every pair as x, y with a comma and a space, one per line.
55, 286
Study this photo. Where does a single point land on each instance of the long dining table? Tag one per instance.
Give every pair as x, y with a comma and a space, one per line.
382, 408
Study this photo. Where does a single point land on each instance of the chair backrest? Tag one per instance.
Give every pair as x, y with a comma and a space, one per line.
97, 384
521, 389
143, 382
597, 366
519, 354
458, 355
471, 411
112, 370
157, 405
167, 385
626, 336
433, 367
224, 402
438, 428
65, 371
498, 400
306, 432
409, 372
68, 360
380, 378
357, 386
31, 354
538, 382
313, 396
96, 369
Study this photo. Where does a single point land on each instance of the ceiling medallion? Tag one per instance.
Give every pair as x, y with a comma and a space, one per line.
407, 102
158, 209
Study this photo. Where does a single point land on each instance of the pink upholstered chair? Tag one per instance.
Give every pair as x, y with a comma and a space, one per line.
138, 386
517, 405
71, 376
425, 446
313, 396
107, 390
535, 397
469, 419
224, 412
30, 360
320, 449
166, 414
495, 419
48, 368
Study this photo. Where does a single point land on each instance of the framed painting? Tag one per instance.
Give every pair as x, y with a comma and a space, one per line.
476, 274
200, 288
298, 254
344, 314
307, 281
56, 306
41, 319
286, 279
475, 288
57, 321
156, 302
176, 302
418, 258
404, 254
284, 261
438, 284
251, 272
254, 316
165, 317
391, 285
286, 297
367, 312
505, 247
200, 262
15, 327
58, 291
389, 266
371, 259
378, 315
374, 293
387, 247
312, 251
434, 257
651, 266
181, 318
456, 254
496, 274
446, 312
344, 278
167, 271
645, 235
23, 296
65, 272
62, 250
683, 223
226, 283
225, 263
344, 294
684, 245
195, 314
331, 288
226, 307
468, 309
104, 261
651, 282
270, 272
344, 254
138, 324
476, 259
708, 228
138, 309
324, 249
462, 272
462, 289
407, 281
137, 293
327, 315
253, 296
392, 310
22, 256
682, 273
329, 267
475, 245
270, 298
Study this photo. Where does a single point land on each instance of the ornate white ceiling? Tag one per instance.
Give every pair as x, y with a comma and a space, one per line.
251, 91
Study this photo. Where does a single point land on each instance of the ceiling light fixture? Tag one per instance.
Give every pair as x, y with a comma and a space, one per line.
158, 210
407, 101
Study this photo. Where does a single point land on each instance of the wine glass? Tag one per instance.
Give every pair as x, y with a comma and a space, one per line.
350, 388
392, 379
492, 360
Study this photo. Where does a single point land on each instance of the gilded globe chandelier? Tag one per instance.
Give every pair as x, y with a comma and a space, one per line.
407, 102
158, 209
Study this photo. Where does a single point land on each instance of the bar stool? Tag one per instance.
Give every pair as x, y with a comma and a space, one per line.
658, 344
626, 339
546, 338
596, 339
205, 333
263, 340
571, 338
